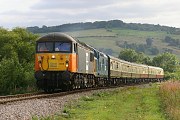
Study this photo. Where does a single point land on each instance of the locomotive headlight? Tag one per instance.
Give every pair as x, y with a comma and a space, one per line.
67, 63
53, 56
39, 58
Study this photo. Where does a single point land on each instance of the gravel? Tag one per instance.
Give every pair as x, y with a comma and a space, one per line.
25, 110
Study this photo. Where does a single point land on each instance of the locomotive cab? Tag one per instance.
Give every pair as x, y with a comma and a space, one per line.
54, 56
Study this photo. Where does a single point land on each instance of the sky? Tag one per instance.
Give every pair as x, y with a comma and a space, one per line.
27, 13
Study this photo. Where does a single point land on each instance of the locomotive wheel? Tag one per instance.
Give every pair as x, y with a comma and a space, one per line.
65, 87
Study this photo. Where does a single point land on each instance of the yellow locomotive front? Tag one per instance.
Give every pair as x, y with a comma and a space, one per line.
49, 60
55, 61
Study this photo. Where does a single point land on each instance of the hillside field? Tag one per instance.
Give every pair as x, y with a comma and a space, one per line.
106, 39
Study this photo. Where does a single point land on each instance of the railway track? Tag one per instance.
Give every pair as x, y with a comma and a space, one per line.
39, 95
20, 97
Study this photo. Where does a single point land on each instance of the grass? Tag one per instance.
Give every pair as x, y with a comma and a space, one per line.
170, 96
131, 103
97, 40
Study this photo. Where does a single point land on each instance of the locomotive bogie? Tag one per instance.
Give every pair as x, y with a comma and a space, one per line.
52, 79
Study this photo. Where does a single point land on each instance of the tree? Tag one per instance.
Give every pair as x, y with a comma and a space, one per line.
142, 58
167, 61
154, 50
149, 42
133, 56
167, 39
128, 55
16, 59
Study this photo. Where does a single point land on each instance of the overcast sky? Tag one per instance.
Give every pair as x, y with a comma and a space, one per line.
23, 13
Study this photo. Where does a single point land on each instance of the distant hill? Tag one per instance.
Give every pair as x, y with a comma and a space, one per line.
112, 41
113, 36
103, 24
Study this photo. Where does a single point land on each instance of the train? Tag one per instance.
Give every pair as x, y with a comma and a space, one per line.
63, 62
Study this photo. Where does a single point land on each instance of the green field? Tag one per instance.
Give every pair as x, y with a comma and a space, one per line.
106, 38
130, 103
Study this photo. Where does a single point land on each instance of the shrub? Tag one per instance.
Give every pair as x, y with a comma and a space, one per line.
170, 94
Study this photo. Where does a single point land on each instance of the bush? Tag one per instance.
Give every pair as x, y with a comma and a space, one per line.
14, 77
16, 60
170, 94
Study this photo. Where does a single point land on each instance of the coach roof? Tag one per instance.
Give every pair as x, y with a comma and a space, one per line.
56, 37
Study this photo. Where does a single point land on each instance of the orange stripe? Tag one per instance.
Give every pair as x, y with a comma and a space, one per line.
36, 64
73, 63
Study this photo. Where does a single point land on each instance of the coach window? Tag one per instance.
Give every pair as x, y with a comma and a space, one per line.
103, 61
138, 70
99, 66
106, 65
111, 65
117, 65
132, 69
126, 68
103, 65
120, 67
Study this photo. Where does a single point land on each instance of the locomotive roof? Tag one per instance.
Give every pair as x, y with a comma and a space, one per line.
127, 62
61, 37
56, 37
117, 59
155, 67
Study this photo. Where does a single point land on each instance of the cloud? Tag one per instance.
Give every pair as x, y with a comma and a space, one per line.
56, 12
71, 4
103, 9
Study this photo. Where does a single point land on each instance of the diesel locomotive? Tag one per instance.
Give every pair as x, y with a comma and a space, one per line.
63, 62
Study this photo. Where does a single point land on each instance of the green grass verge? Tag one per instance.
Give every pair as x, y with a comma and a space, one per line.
131, 103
